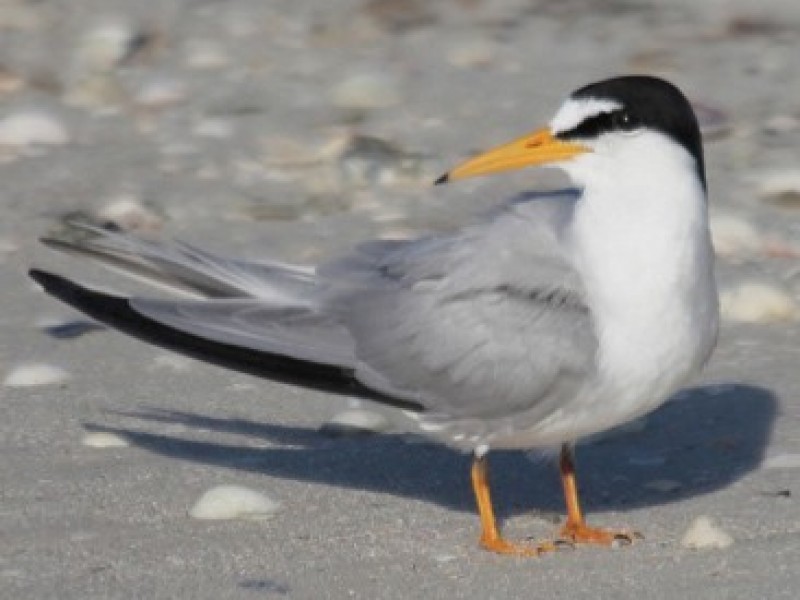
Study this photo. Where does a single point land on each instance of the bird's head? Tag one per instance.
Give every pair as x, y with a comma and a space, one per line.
604, 126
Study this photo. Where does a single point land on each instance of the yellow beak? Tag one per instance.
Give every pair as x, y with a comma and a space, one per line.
536, 148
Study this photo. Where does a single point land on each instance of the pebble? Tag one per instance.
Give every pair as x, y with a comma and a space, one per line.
128, 213
703, 533
214, 128
472, 53
161, 92
9, 82
780, 124
757, 302
35, 374
734, 236
782, 461
780, 188
233, 502
366, 91
104, 47
30, 128
206, 55
22, 16
173, 362
100, 92
367, 161
104, 439
355, 422
7, 247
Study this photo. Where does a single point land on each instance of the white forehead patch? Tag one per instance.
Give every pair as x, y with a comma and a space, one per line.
575, 111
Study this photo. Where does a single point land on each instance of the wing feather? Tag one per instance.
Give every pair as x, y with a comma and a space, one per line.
487, 324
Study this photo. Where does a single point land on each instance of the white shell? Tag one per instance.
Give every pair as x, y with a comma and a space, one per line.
703, 533
233, 502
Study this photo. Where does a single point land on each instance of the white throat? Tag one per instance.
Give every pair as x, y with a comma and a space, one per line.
641, 242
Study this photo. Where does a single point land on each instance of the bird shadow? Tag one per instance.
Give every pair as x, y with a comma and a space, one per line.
700, 441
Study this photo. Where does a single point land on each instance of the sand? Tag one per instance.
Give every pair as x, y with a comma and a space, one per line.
296, 129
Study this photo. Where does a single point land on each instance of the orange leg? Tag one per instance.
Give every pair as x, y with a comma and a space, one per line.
490, 535
575, 529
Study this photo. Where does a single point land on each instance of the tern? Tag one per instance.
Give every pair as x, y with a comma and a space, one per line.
559, 316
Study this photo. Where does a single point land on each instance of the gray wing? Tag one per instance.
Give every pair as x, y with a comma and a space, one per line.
489, 323
293, 330
179, 266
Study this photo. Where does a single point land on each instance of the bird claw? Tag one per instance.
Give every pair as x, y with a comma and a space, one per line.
583, 534
562, 544
500, 545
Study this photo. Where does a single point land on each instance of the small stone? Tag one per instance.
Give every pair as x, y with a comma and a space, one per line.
104, 47
756, 302
781, 188
104, 439
8, 246
9, 82
30, 128
784, 493
22, 16
173, 362
161, 92
780, 124
366, 91
472, 53
214, 128
369, 161
444, 558
36, 374
233, 502
663, 486
206, 55
782, 461
100, 92
290, 153
703, 533
355, 422
128, 213
734, 237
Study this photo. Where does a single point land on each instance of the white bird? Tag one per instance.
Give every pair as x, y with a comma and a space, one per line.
560, 316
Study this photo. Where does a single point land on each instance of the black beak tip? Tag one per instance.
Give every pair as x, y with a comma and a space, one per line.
443, 179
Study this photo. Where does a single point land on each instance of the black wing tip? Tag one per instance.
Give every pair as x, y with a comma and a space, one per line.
55, 285
442, 180
116, 312
45, 279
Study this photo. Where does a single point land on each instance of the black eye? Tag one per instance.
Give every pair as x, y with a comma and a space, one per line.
625, 120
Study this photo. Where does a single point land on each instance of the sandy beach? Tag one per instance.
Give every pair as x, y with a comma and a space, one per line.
295, 130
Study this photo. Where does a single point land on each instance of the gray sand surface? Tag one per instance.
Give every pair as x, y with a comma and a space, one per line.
230, 125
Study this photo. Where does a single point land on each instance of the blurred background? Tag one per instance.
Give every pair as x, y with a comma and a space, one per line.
338, 113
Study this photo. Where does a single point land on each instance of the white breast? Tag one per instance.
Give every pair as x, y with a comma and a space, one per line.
640, 240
